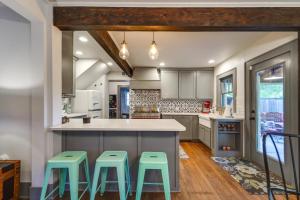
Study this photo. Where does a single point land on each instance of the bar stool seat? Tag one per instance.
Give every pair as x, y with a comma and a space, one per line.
68, 161
110, 159
150, 161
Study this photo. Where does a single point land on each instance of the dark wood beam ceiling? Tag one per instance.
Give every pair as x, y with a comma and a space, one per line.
177, 19
104, 39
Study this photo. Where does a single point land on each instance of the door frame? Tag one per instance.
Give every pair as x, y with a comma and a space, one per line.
119, 109
292, 117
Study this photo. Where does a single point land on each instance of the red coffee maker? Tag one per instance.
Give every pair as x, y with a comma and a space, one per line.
206, 106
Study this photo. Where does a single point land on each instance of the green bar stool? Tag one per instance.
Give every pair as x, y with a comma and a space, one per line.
149, 161
109, 159
68, 161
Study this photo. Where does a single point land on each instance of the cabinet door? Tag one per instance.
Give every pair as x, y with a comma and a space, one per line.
205, 82
203, 134
187, 85
167, 117
195, 127
207, 137
169, 84
187, 122
68, 65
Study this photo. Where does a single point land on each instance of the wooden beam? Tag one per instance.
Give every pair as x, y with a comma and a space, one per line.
104, 39
178, 19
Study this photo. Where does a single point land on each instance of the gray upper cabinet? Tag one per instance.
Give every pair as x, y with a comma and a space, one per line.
205, 82
169, 84
187, 85
68, 66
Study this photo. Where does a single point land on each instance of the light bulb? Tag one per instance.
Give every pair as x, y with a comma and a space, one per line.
153, 51
124, 53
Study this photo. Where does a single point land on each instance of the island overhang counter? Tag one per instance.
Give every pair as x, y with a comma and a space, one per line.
132, 135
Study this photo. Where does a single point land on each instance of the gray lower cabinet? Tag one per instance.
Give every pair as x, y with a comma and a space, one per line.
191, 124
204, 135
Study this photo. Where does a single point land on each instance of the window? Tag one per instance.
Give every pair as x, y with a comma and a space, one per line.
226, 89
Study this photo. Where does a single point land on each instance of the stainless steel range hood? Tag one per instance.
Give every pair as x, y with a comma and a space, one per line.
146, 78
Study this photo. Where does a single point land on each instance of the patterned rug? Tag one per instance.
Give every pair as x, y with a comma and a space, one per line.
182, 153
248, 175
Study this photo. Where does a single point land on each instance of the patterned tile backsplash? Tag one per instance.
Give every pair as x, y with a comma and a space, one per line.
149, 98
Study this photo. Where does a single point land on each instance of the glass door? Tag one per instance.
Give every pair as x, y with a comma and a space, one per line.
270, 108
268, 113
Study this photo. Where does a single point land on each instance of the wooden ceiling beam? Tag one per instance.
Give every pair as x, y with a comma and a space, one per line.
106, 42
178, 19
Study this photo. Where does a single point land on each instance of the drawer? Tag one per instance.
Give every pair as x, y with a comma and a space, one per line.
205, 122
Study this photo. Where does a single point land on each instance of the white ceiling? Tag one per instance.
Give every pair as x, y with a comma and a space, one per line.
178, 3
185, 49
91, 49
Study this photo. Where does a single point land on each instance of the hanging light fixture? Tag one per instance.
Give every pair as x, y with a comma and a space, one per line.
153, 51
124, 53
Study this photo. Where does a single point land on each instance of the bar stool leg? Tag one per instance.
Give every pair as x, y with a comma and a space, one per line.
45, 184
62, 181
74, 180
87, 174
166, 182
95, 181
128, 177
140, 183
121, 181
103, 180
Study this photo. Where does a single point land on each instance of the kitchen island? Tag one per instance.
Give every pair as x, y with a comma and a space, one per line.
132, 135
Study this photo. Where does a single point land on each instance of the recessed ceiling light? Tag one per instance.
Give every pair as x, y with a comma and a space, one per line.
79, 53
211, 61
83, 39
109, 63
162, 64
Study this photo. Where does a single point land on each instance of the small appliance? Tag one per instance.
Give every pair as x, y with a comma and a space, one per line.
206, 106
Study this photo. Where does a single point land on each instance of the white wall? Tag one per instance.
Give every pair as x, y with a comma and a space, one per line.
113, 75
83, 64
42, 101
15, 89
263, 45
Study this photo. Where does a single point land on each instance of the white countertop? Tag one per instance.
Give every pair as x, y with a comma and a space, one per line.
121, 125
72, 115
208, 116
180, 113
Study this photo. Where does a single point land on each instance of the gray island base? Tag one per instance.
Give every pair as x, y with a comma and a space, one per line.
94, 139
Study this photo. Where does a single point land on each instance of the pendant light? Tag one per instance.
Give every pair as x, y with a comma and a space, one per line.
153, 51
124, 53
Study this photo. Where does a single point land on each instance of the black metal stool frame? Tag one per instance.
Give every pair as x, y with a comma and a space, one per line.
286, 190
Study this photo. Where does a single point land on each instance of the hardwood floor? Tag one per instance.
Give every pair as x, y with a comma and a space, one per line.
200, 178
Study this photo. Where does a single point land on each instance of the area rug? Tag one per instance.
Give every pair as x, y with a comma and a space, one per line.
182, 153
248, 175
